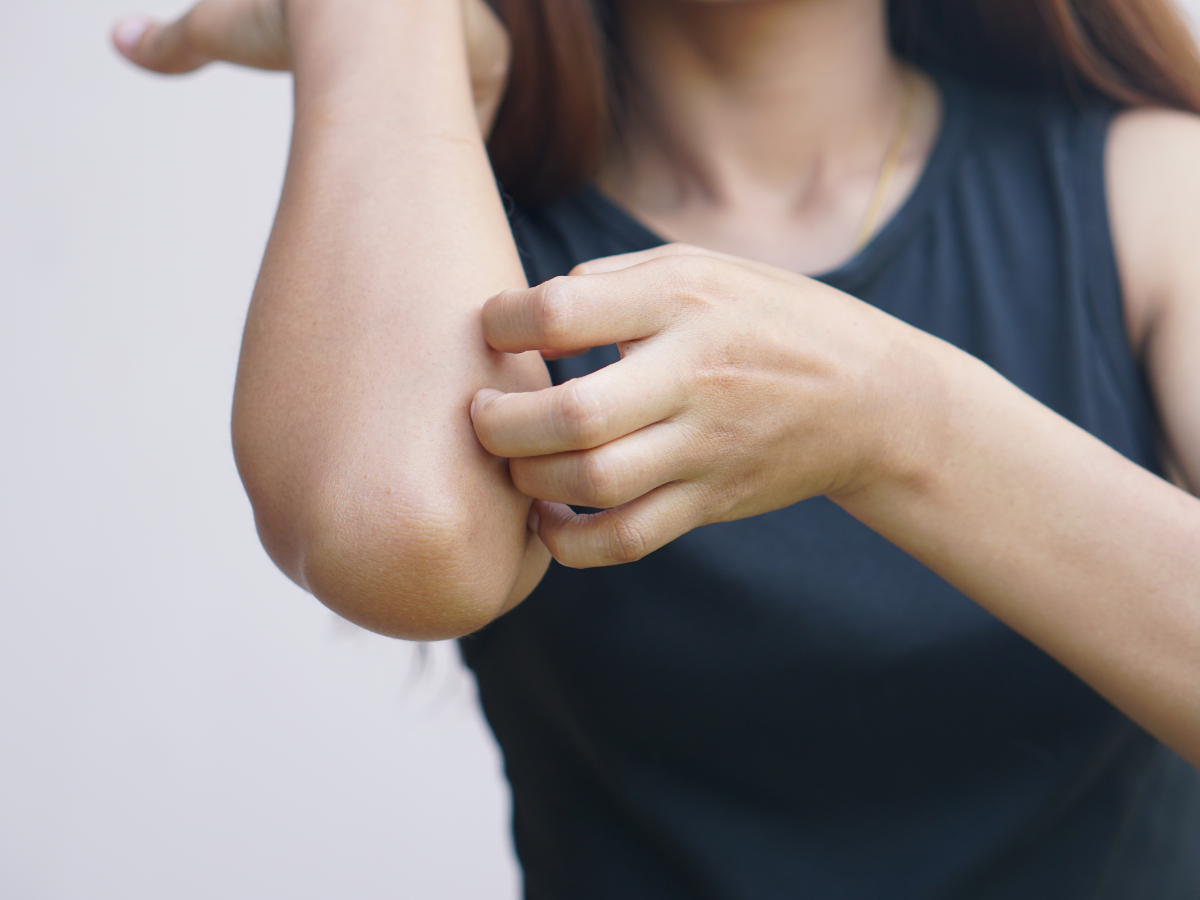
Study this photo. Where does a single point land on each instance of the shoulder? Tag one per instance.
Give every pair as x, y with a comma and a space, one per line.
1152, 173
1156, 135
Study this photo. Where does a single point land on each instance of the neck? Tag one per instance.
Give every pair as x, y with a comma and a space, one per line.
753, 97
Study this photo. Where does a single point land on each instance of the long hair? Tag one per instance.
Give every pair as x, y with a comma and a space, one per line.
565, 94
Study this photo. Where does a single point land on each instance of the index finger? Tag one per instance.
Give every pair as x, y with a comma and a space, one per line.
626, 260
580, 414
572, 313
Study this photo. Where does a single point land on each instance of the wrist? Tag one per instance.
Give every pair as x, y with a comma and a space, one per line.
916, 383
404, 58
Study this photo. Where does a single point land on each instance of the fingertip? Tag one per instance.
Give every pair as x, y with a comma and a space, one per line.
483, 398
128, 33
493, 316
554, 521
500, 297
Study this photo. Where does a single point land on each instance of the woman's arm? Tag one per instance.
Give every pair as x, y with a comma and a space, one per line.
1091, 557
363, 345
770, 388
1086, 554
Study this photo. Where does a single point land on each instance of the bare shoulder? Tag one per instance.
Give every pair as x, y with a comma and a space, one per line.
1153, 180
1153, 174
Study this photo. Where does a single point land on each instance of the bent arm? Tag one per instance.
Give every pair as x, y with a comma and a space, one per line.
1086, 554
363, 345
1080, 550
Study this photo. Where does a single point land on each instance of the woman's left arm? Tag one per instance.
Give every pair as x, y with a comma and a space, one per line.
743, 389
1089, 556
1086, 554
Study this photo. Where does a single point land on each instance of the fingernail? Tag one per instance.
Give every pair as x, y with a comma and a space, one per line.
534, 519
483, 396
128, 33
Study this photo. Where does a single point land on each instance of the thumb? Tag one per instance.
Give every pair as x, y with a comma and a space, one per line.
165, 48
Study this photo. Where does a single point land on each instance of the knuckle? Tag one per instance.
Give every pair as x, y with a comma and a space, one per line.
718, 502
582, 416
552, 316
678, 265
694, 276
626, 541
599, 482
720, 374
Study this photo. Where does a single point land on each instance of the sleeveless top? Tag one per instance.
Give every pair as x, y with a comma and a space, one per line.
790, 706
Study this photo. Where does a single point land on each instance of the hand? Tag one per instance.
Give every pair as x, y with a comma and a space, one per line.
254, 33
742, 388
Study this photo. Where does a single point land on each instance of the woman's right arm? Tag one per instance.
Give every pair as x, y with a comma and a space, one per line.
364, 346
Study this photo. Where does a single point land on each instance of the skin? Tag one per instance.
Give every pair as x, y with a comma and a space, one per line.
795, 107
372, 348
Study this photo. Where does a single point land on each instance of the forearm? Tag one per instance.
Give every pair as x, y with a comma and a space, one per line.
1080, 550
363, 346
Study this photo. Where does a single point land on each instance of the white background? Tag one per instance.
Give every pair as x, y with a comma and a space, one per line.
177, 720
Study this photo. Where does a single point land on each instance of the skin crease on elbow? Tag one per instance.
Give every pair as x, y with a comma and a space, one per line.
744, 386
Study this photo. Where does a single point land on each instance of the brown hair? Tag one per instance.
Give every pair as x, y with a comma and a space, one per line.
565, 94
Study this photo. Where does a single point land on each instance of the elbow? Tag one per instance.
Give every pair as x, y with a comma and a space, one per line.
403, 563
413, 574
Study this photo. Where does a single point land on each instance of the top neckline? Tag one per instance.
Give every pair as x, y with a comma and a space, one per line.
861, 268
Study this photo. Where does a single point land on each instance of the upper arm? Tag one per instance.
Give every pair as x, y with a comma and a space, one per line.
1153, 175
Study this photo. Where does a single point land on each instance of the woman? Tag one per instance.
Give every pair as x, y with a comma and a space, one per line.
796, 700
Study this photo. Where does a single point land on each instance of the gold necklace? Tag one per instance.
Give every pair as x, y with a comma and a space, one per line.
888, 170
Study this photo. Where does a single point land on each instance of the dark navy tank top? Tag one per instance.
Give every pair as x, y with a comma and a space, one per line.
788, 706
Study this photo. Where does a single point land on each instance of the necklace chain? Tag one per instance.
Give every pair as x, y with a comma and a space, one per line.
888, 170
